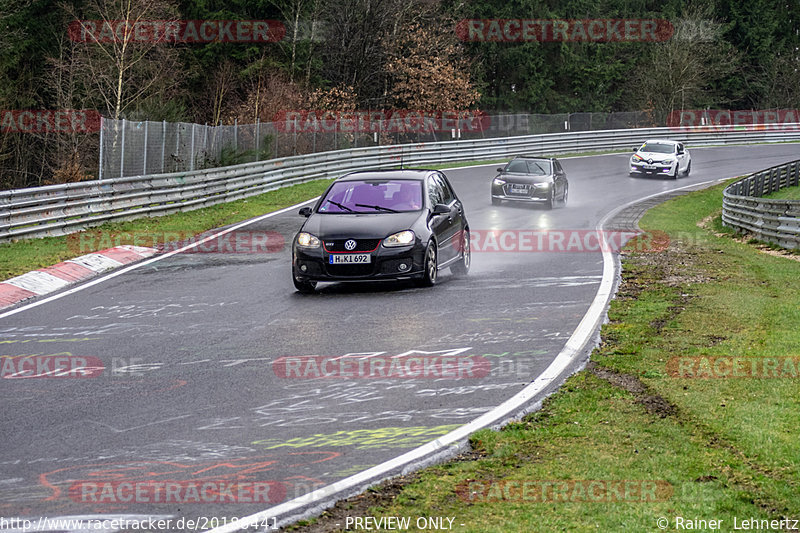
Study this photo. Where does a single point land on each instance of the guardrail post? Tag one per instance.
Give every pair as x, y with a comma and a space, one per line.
258, 139
191, 156
144, 149
163, 142
102, 146
122, 157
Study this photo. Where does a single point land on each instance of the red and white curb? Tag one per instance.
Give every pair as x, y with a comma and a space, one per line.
53, 278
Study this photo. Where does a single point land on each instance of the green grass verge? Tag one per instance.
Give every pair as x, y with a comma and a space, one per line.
789, 193
727, 447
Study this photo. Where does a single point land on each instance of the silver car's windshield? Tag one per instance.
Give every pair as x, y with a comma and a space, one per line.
658, 148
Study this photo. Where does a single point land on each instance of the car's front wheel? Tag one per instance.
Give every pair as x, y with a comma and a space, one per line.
496, 201
431, 266
461, 267
566, 195
305, 287
688, 169
551, 200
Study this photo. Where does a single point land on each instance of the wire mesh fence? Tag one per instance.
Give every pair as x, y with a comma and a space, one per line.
131, 148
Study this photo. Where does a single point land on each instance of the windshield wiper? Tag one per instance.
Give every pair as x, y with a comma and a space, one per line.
378, 207
337, 204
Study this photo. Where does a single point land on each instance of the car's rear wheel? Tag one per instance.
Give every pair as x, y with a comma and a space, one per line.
496, 201
305, 287
462, 266
431, 266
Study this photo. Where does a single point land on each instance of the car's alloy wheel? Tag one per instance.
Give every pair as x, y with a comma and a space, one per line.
496, 201
566, 194
688, 169
306, 287
551, 199
431, 266
462, 267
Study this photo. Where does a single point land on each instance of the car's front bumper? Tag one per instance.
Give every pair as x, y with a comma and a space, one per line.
385, 264
533, 194
657, 168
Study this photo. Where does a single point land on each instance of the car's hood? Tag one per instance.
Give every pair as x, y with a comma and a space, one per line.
515, 177
361, 226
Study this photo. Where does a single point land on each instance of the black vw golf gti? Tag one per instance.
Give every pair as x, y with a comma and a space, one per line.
382, 224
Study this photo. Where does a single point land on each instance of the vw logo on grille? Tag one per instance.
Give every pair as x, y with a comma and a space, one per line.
350, 244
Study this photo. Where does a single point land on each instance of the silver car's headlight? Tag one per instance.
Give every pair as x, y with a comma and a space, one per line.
306, 240
498, 181
545, 185
401, 238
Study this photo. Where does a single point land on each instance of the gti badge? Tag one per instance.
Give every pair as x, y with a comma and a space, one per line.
350, 244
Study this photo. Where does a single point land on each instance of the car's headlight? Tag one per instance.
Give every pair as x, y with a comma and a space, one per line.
667, 162
637, 158
401, 238
499, 181
545, 185
306, 240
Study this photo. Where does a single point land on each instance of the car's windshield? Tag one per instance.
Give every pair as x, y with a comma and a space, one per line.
658, 148
540, 168
373, 196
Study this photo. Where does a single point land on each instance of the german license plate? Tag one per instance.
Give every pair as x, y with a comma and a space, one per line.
350, 259
649, 167
519, 189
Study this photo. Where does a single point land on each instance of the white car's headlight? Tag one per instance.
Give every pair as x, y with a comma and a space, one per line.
401, 238
306, 240
498, 181
636, 158
668, 162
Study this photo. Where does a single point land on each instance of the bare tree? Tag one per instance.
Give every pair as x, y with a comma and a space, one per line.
126, 69
680, 72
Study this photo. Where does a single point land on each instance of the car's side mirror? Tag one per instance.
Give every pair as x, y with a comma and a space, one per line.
306, 211
635, 148
681, 152
441, 209
500, 169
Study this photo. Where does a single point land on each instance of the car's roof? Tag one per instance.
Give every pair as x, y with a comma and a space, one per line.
394, 174
661, 141
533, 158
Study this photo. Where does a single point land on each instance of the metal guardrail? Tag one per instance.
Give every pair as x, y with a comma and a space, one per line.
769, 220
62, 209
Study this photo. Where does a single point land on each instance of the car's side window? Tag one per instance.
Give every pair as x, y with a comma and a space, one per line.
447, 194
434, 192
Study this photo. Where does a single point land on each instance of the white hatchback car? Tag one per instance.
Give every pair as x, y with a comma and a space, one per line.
658, 156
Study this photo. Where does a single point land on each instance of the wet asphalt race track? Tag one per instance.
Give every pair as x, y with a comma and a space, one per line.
190, 392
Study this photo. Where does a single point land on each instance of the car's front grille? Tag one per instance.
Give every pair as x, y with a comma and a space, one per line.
361, 245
